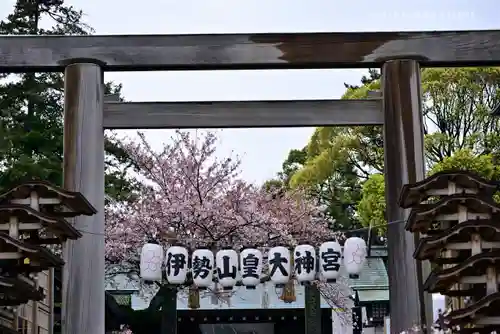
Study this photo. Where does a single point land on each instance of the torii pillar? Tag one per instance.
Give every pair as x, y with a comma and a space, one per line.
83, 275
404, 163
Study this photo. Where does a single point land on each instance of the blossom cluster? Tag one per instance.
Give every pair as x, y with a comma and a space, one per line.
191, 196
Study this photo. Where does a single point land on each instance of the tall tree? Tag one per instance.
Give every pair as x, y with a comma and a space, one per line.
31, 106
457, 123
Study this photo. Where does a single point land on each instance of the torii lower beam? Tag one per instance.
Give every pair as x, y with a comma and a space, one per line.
241, 114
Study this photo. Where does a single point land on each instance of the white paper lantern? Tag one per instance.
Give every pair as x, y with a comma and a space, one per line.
150, 262
279, 265
251, 267
354, 256
304, 259
330, 257
202, 267
226, 261
176, 262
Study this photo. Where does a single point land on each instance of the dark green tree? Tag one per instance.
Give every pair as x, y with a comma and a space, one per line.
31, 107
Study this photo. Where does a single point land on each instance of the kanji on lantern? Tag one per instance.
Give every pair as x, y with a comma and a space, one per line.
176, 263
227, 267
202, 267
279, 265
305, 263
330, 255
251, 267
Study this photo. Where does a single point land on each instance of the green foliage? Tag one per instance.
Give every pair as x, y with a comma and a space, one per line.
329, 165
459, 134
32, 108
457, 108
466, 159
371, 207
295, 160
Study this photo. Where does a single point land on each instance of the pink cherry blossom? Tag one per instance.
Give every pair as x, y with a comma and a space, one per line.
192, 196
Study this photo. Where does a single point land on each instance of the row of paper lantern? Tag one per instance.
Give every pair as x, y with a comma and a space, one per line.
305, 262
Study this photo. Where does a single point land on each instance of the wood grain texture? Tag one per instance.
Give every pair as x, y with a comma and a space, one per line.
312, 309
237, 114
83, 275
169, 310
251, 51
404, 163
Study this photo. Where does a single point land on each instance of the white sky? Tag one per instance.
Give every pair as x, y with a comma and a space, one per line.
263, 150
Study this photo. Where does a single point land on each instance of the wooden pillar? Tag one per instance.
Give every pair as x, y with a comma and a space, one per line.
312, 306
83, 275
169, 310
404, 163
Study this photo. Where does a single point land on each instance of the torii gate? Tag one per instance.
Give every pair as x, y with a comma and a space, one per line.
84, 59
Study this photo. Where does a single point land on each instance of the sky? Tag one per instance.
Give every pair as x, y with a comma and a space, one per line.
262, 150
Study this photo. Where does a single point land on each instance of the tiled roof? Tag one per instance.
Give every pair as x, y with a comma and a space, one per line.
373, 276
378, 251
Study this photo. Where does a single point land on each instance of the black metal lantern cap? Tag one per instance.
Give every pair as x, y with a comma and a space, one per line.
354, 276
250, 287
331, 280
331, 240
227, 247
249, 247
201, 287
153, 241
227, 288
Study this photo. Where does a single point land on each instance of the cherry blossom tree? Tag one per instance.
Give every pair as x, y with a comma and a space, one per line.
191, 196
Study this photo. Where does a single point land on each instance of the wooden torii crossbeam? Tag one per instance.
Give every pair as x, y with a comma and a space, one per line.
85, 58
250, 51
241, 114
